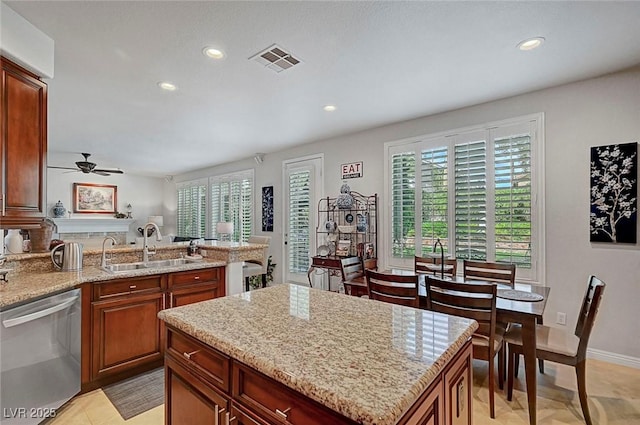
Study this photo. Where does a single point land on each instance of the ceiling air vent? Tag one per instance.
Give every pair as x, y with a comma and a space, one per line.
275, 58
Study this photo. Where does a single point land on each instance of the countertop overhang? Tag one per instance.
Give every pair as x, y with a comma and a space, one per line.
365, 359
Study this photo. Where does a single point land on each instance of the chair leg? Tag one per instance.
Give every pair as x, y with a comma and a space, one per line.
492, 408
264, 280
516, 364
246, 283
512, 360
581, 374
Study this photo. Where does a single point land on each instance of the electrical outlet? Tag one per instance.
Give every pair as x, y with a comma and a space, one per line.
561, 319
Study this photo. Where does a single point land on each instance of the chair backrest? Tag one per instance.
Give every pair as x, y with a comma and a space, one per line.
351, 268
425, 265
471, 300
264, 240
590, 305
492, 272
393, 288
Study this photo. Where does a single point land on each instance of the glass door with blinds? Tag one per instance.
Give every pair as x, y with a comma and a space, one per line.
302, 183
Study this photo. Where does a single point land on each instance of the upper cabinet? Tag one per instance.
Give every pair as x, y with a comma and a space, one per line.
23, 152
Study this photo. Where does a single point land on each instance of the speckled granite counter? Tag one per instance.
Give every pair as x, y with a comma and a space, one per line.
24, 286
32, 275
365, 359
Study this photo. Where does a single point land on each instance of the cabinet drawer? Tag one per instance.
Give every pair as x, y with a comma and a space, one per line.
326, 262
276, 403
212, 365
126, 286
195, 276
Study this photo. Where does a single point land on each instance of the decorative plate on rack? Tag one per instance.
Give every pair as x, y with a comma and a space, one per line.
348, 218
323, 250
330, 226
362, 223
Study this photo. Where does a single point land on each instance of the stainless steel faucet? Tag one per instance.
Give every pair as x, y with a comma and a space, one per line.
103, 262
145, 250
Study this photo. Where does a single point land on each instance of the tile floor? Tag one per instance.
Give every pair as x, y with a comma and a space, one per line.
614, 399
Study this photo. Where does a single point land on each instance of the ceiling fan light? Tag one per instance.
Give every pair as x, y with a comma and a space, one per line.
165, 85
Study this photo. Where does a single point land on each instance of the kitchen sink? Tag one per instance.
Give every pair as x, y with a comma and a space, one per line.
157, 264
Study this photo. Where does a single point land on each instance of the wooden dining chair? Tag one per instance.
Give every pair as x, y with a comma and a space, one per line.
492, 272
475, 301
426, 265
353, 278
559, 346
393, 288
499, 273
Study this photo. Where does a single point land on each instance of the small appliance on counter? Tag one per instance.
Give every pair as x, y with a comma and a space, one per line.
67, 256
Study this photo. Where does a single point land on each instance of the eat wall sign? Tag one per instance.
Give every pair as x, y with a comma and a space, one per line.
352, 170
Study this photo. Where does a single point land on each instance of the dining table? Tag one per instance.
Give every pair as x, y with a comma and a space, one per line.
525, 312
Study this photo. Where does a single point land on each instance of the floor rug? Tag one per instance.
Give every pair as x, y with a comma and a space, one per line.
137, 394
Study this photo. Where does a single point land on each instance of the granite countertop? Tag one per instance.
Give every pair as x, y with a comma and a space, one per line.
365, 359
24, 286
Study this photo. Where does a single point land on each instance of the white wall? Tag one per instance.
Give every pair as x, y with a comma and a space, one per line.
146, 194
578, 116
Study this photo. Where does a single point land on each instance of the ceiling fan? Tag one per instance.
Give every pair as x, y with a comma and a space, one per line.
89, 167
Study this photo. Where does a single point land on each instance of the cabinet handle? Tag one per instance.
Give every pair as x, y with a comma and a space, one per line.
229, 420
284, 413
188, 355
196, 277
3, 204
217, 411
133, 286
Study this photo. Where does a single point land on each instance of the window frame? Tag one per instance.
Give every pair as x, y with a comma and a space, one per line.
491, 130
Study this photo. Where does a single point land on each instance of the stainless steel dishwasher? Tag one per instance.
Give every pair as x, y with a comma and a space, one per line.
39, 357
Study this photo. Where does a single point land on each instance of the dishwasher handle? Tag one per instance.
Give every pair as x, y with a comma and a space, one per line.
41, 313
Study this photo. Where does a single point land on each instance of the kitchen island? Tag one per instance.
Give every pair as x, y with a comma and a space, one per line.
292, 354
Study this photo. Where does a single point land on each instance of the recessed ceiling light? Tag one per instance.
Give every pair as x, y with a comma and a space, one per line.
531, 43
213, 53
329, 108
165, 85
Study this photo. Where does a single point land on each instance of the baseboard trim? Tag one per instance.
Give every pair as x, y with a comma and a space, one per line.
615, 358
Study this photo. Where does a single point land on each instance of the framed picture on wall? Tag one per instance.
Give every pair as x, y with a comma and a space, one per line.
614, 189
95, 198
267, 209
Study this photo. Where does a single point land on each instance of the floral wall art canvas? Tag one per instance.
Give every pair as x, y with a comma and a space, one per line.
267, 209
614, 193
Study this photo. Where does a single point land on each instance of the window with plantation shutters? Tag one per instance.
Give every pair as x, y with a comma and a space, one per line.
231, 201
203, 203
475, 189
470, 194
298, 246
192, 209
403, 178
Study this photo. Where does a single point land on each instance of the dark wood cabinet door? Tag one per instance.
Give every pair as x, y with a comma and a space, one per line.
193, 294
23, 152
126, 333
189, 401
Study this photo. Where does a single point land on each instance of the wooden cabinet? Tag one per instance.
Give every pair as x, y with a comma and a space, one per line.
23, 151
122, 334
126, 332
194, 286
198, 376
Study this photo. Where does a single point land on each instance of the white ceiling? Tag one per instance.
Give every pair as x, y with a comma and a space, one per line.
378, 62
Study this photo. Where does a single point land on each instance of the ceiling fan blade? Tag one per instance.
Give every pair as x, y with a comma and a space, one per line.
62, 168
72, 171
100, 173
108, 171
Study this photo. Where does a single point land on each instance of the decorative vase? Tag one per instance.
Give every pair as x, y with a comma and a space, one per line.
59, 210
345, 199
13, 241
